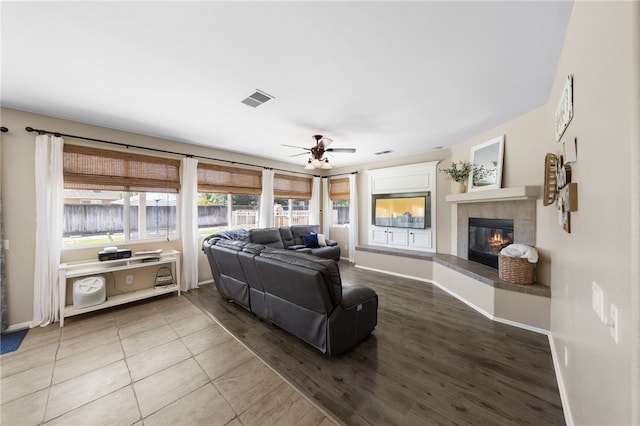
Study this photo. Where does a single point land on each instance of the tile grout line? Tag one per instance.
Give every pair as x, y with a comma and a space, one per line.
319, 407
53, 369
132, 383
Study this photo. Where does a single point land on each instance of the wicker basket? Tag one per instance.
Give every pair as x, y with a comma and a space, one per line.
516, 270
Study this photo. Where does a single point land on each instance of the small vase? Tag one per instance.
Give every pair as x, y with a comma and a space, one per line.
458, 187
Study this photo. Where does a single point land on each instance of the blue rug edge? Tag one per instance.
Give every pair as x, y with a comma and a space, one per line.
11, 341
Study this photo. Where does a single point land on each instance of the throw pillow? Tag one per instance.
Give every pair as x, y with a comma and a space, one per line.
321, 240
310, 241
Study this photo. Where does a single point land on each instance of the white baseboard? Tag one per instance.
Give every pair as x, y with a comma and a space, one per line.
568, 418
463, 300
394, 274
20, 326
206, 282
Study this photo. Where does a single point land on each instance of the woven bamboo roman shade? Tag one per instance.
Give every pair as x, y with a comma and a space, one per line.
101, 169
285, 186
229, 180
339, 189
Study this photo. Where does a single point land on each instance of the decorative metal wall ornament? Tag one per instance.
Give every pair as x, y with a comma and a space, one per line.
550, 179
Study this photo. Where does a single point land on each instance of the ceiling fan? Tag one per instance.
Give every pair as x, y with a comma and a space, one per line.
317, 159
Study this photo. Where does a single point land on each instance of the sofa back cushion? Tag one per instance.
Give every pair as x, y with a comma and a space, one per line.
286, 236
269, 237
225, 253
246, 257
294, 267
299, 230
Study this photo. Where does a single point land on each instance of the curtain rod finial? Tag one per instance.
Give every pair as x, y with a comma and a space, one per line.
3, 129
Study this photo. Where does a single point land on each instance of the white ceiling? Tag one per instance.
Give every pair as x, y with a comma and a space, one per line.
400, 76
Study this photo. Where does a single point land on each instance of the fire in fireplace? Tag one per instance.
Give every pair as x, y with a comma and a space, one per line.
487, 237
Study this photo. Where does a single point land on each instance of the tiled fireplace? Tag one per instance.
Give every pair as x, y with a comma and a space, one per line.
521, 212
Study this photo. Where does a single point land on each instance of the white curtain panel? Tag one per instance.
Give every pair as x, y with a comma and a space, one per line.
353, 217
189, 223
49, 221
266, 199
326, 208
314, 203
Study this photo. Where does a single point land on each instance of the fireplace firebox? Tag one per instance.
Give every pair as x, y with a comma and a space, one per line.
487, 237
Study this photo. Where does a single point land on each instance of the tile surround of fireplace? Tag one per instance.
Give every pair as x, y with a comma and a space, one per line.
523, 213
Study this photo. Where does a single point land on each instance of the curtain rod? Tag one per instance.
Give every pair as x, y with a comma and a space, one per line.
127, 145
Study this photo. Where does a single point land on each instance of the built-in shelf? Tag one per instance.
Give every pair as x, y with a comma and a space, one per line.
529, 192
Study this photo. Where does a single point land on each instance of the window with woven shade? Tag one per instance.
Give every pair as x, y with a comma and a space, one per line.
101, 169
228, 198
291, 196
295, 187
229, 180
118, 196
340, 197
339, 189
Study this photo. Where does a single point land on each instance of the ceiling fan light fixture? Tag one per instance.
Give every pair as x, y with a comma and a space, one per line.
309, 165
326, 165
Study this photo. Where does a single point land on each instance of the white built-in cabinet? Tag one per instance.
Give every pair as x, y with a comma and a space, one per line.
408, 179
417, 239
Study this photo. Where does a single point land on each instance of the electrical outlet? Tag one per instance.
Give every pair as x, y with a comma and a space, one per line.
614, 316
5, 243
129, 279
597, 300
346, 247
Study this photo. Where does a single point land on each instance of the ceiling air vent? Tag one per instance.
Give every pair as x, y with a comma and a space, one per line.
388, 151
257, 98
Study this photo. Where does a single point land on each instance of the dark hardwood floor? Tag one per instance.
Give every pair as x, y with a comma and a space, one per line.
430, 360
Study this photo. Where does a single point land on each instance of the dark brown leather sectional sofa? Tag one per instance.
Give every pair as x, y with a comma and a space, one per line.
299, 292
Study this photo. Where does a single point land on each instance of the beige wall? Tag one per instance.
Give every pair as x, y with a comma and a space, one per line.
600, 53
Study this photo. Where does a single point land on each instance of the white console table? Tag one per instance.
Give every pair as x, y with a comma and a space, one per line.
95, 267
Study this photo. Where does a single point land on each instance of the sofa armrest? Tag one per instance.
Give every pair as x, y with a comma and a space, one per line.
296, 247
354, 295
331, 243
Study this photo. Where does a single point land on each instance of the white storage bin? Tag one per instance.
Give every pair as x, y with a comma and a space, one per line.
89, 291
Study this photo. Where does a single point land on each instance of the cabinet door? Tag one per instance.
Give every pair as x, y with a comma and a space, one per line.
378, 235
420, 238
397, 237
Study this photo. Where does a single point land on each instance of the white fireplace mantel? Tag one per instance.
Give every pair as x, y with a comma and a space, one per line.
529, 192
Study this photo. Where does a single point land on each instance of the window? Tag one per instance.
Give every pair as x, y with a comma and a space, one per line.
229, 198
340, 201
106, 191
291, 197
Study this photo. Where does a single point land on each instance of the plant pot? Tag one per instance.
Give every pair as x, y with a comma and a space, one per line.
458, 187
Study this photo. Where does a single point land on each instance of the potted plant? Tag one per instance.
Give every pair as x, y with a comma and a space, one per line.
459, 174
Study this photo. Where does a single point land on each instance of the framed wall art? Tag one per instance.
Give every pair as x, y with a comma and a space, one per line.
486, 161
564, 110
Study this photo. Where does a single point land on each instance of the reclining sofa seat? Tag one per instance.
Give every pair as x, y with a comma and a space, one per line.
290, 238
305, 297
300, 293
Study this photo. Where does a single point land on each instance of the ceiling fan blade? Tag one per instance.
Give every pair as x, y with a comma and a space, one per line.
341, 149
326, 141
295, 146
295, 155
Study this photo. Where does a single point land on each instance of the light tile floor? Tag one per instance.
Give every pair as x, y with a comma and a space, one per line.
157, 362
